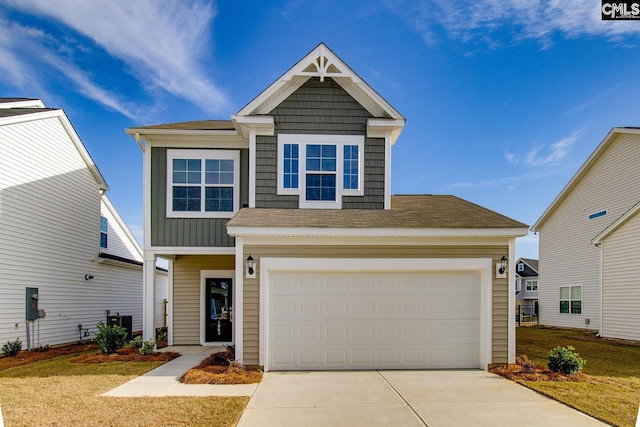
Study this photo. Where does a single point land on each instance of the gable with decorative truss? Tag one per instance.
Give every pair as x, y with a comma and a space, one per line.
321, 62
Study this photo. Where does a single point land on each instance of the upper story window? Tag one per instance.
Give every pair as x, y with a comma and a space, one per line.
320, 169
520, 267
202, 183
104, 231
571, 299
531, 285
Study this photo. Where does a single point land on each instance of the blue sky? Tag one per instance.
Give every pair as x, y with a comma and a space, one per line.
504, 100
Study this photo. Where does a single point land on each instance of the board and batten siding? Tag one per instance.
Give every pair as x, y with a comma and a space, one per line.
190, 232
319, 108
49, 235
567, 256
251, 294
621, 282
186, 293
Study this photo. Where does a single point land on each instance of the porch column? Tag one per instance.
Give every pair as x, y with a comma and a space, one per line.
148, 296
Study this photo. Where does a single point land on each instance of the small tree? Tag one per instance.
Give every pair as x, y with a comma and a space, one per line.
565, 360
110, 338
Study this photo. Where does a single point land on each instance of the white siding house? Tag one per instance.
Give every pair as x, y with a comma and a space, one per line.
51, 207
571, 293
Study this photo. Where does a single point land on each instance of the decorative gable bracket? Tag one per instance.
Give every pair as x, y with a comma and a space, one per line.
322, 63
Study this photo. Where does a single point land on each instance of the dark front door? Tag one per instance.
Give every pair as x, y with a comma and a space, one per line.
219, 307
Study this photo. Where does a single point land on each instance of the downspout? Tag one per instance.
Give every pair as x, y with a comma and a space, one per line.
511, 309
139, 141
601, 246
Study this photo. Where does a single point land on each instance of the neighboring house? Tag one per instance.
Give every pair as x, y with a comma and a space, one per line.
526, 282
283, 237
589, 247
59, 233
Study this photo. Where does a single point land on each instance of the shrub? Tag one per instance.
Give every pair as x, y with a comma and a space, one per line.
147, 347
161, 334
527, 365
565, 360
110, 338
12, 348
224, 358
136, 342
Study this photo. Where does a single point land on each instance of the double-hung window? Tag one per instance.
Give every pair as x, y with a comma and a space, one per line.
531, 285
202, 183
571, 299
104, 231
320, 169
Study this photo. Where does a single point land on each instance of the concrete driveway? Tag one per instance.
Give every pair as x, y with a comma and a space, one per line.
402, 398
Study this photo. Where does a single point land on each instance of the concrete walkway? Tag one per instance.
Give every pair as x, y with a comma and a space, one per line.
366, 398
163, 381
407, 398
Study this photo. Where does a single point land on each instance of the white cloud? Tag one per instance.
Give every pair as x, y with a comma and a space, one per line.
541, 155
163, 43
504, 21
540, 161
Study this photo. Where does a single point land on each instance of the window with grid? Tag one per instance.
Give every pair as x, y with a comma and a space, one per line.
531, 285
321, 172
291, 170
104, 231
351, 172
320, 169
202, 183
571, 299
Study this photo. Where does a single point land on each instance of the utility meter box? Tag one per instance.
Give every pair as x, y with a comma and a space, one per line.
31, 304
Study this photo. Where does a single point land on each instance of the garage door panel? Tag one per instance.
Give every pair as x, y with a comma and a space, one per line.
395, 332
374, 321
382, 358
288, 307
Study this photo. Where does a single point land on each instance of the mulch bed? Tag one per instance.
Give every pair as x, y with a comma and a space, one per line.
29, 356
538, 373
126, 355
219, 368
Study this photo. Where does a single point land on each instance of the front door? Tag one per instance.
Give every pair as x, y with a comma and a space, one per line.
219, 309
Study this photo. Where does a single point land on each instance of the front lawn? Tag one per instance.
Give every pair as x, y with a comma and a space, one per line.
57, 392
611, 390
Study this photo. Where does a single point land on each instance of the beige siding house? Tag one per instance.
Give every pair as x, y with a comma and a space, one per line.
283, 237
583, 241
59, 233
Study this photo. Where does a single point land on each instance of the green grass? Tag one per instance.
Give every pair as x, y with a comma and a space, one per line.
57, 392
613, 392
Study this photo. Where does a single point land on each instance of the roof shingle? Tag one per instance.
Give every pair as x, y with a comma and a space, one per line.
407, 211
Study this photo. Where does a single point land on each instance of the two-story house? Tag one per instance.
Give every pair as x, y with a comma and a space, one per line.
283, 237
527, 288
589, 250
60, 237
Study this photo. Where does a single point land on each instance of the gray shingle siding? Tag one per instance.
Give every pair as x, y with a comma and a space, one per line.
206, 232
320, 108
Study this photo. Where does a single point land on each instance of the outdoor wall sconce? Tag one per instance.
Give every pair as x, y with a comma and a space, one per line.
503, 264
250, 268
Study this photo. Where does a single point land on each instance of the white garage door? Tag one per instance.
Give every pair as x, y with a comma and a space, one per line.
374, 321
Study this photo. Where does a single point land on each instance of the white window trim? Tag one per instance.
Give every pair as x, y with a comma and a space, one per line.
570, 313
520, 267
528, 287
202, 155
106, 233
339, 141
